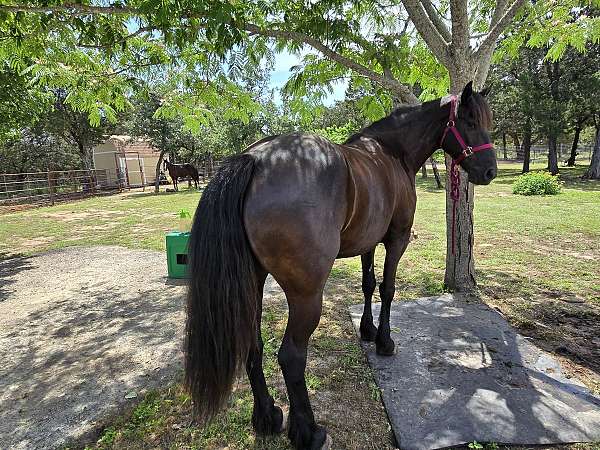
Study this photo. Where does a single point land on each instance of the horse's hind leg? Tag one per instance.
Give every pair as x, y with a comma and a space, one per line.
266, 417
305, 311
394, 248
368, 331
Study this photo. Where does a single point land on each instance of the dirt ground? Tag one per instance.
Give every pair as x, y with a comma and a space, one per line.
83, 333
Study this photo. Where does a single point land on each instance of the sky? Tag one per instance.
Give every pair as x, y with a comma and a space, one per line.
281, 73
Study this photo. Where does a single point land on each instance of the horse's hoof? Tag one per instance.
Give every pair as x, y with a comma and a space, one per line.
368, 333
386, 349
269, 423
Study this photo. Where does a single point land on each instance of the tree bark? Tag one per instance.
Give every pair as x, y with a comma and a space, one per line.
460, 262
593, 172
87, 159
436, 173
552, 155
158, 164
504, 145
571, 160
526, 145
517, 144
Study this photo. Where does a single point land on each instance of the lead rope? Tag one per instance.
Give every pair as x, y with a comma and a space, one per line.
454, 167
454, 195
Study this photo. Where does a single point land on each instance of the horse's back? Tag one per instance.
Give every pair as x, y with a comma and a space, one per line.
296, 204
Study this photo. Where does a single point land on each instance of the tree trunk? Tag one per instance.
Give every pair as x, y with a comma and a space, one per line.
424, 170
87, 158
158, 164
460, 263
504, 145
436, 173
571, 160
517, 145
526, 145
593, 172
552, 155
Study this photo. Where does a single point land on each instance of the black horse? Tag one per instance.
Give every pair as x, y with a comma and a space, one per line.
289, 206
177, 171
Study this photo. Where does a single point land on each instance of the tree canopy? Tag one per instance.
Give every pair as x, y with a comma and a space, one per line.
400, 51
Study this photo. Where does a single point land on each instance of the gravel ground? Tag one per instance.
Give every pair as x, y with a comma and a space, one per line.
83, 333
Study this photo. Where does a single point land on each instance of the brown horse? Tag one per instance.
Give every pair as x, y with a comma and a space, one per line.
289, 206
177, 171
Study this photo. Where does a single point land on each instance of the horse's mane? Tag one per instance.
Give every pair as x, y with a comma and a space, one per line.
477, 106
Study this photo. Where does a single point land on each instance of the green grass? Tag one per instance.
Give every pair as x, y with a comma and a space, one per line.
132, 219
531, 254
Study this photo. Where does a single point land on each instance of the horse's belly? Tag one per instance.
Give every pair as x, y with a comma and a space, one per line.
363, 235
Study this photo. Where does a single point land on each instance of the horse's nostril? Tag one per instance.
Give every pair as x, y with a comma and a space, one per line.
490, 174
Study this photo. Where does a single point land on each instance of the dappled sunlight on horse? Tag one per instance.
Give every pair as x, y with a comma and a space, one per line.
289, 206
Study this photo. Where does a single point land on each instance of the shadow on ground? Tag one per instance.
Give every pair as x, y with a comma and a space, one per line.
83, 333
462, 374
560, 321
10, 265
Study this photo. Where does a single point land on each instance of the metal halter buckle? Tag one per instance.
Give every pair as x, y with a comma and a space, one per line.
468, 151
450, 124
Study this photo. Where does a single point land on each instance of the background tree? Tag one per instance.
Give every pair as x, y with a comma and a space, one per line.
75, 128
369, 42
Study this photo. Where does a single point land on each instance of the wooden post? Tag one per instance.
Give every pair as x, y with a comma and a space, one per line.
50, 189
118, 172
92, 175
126, 172
6, 186
142, 177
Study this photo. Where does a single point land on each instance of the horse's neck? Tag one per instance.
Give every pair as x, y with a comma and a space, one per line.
415, 140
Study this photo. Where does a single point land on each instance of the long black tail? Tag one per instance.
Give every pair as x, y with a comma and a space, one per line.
223, 292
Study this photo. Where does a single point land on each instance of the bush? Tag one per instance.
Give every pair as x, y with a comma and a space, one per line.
537, 183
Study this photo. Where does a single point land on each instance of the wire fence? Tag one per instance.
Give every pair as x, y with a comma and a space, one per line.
51, 186
539, 152
59, 185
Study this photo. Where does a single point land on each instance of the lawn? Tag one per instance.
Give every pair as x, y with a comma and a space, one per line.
537, 259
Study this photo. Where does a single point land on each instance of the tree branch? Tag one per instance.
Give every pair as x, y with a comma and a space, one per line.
495, 30
427, 30
75, 9
460, 27
436, 19
499, 11
393, 85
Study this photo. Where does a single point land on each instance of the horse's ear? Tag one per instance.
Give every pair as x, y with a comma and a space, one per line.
466, 93
485, 91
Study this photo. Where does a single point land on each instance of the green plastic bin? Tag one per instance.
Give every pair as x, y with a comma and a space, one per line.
177, 245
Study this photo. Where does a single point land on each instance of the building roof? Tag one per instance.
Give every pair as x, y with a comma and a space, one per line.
129, 144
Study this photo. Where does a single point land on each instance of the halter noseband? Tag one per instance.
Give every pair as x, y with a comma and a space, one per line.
467, 151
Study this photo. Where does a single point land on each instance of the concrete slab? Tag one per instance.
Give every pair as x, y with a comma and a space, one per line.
462, 374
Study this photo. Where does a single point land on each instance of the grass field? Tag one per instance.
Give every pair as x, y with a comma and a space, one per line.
537, 259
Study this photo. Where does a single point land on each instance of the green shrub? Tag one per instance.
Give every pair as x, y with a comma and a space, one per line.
537, 183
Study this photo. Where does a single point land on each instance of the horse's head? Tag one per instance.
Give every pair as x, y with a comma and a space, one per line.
466, 137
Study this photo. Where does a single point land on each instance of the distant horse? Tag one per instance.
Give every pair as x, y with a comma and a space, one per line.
289, 206
181, 171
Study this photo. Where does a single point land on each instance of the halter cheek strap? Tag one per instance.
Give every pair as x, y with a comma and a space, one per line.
467, 151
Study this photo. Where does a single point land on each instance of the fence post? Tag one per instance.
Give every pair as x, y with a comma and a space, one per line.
50, 189
5, 186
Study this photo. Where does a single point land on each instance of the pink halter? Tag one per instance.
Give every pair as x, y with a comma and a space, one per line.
467, 151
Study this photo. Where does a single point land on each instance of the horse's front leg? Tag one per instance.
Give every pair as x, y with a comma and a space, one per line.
394, 249
368, 331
